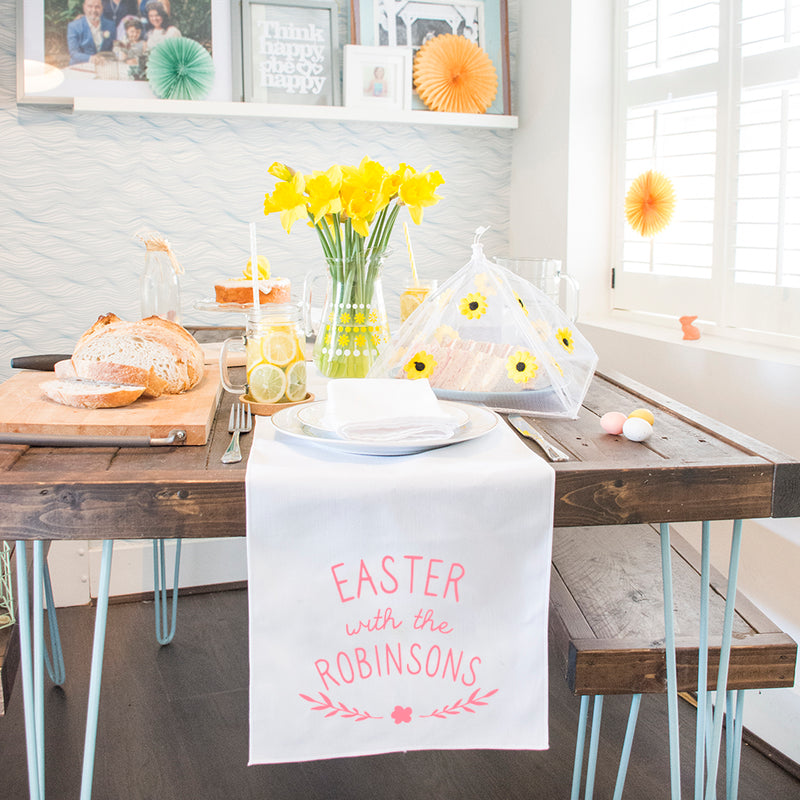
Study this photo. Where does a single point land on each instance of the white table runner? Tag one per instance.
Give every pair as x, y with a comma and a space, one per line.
397, 603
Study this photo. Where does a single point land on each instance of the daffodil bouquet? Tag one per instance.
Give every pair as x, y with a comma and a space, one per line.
353, 210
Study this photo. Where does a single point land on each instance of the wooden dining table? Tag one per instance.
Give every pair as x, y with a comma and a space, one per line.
692, 468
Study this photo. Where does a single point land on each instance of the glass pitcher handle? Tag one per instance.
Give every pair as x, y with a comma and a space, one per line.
573, 292
311, 279
223, 364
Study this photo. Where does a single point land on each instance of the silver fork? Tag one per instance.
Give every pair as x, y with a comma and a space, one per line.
241, 421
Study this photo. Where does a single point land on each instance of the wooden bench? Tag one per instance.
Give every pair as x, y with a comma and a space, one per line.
607, 620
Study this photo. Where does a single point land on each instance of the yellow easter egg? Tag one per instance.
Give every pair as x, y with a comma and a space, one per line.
643, 413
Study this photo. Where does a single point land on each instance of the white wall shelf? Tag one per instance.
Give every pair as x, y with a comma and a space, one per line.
204, 108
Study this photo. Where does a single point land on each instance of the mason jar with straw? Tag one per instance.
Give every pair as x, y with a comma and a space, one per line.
416, 291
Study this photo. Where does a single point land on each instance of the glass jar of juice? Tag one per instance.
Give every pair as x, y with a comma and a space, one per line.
412, 297
275, 360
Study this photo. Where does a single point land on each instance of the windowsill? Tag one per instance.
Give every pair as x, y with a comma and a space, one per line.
669, 332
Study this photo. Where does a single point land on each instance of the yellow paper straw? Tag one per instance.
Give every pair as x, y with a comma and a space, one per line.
410, 255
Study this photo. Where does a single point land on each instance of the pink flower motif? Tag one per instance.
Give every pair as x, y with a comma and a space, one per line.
401, 714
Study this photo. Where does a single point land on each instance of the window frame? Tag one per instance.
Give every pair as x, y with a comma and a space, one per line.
725, 305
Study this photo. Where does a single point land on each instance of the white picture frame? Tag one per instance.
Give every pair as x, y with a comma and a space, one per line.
279, 65
377, 77
46, 73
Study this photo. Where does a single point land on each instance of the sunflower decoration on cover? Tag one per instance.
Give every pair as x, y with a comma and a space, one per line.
489, 336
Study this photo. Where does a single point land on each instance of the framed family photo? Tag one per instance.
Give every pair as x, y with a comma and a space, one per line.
290, 52
411, 23
377, 77
99, 48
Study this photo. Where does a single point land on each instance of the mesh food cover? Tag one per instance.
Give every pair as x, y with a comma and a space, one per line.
489, 336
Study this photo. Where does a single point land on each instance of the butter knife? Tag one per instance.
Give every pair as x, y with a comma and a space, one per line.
526, 429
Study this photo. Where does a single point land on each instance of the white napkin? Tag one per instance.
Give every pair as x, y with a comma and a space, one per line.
386, 410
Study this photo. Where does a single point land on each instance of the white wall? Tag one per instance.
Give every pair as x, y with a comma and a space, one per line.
562, 161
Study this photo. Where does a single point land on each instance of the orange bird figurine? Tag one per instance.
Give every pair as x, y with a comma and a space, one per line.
689, 331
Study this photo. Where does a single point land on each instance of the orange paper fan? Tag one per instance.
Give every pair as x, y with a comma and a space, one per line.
451, 73
650, 203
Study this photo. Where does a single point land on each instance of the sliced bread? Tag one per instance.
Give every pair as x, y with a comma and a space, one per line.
156, 352
90, 394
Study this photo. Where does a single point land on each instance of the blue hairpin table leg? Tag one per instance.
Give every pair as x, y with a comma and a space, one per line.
164, 635
736, 746
577, 767
672, 682
55, 666
724, 658
702, 665
633, 715
594, 741
36, 789
93, 707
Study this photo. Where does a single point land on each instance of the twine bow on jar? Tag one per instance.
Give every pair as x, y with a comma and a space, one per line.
159, 286
154, 241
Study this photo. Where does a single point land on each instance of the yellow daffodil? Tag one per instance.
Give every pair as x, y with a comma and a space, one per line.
289, 200
564, 336
521, 304
521, 366
473, 306
419, 191
280, 171
353, 210
323, 190
422, 365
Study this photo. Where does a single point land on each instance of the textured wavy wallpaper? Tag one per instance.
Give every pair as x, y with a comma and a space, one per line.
75, 188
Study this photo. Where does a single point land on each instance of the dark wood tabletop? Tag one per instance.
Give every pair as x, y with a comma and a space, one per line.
691, 468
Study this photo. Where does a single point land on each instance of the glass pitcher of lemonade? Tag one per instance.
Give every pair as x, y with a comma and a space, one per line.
274, 347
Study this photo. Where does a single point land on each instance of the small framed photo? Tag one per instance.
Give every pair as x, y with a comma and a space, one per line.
377, 77
290, 52
392, 23
94, 48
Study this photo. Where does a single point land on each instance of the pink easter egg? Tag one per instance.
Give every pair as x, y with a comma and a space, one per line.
612, 422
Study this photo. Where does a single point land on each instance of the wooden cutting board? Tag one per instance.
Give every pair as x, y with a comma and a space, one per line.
23, 409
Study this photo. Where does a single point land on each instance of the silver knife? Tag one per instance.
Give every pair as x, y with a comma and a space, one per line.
526, 429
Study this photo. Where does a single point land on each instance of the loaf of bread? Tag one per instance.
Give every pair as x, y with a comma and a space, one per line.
154, 352
91, 394
240, 290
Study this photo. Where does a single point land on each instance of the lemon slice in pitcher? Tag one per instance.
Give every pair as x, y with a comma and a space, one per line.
267, 383
296, 382
279, 347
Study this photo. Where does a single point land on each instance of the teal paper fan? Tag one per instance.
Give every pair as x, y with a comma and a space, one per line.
180, 69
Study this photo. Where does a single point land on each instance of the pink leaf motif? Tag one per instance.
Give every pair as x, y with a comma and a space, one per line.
326, 704
460, 705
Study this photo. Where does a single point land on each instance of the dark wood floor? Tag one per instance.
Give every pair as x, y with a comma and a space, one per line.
173, 726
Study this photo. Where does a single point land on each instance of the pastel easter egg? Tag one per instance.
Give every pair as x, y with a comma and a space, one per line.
612, 422
643, 413
636, 429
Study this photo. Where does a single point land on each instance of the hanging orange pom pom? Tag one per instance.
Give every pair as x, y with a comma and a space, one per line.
650, 203
451, 73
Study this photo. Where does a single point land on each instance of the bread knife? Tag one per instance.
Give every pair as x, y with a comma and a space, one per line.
526, 429
45, 363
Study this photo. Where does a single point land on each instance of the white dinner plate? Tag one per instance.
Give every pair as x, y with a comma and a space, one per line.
480, 421
312, 417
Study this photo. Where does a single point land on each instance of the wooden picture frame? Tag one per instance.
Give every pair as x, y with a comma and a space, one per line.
289, 51
54, 67
394, 22
378, 78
